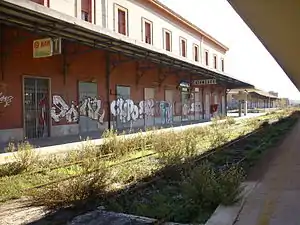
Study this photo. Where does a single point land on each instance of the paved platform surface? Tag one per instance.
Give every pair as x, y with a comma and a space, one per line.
276, 199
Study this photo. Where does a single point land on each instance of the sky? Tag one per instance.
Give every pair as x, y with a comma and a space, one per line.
247, 59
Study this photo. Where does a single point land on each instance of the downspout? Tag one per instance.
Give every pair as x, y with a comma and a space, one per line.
2, 52
107, 75
203, 99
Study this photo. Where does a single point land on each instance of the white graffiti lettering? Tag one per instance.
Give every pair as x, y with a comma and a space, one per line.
6, 100
196, 107
126, 110
146, 108
61, 109
91, 107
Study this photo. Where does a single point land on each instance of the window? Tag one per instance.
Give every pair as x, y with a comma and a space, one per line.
215, 61
196, 52
167, 40
222, 65
206, 58
86, 10
182, 47
147, 31
121, 24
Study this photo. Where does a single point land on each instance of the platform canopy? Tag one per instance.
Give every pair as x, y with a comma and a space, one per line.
276, 24
46, 21
254, 93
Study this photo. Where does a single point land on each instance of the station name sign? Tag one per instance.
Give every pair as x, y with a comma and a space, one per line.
46, 47
205, 82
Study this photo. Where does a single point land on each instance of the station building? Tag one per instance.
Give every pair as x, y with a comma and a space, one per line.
77, 67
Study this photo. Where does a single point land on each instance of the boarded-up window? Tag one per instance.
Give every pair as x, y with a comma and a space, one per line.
121, 21
86, 10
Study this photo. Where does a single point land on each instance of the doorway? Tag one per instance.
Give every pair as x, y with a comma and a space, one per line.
89, 106
36, 107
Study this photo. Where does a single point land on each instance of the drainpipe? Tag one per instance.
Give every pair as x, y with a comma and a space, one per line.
203, 99
2, 52
107, 57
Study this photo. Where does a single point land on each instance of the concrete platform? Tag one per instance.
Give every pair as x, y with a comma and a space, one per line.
276, 198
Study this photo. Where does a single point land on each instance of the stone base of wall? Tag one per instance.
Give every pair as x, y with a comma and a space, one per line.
63, 130
8, 135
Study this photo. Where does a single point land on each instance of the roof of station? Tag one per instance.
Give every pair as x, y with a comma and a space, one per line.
253, 91
276, 25
46, 21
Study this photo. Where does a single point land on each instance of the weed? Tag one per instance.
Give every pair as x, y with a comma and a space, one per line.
24, 159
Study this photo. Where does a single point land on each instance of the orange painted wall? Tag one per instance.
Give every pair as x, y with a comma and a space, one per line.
83, 64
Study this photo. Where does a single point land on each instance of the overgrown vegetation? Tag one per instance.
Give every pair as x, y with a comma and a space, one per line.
188, 191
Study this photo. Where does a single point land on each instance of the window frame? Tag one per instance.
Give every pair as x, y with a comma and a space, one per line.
196, 51
215, 58
118, 7
144, 21
180, 46
165, 40
206, 53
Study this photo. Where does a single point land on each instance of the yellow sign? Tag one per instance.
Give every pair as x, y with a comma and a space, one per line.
42, 48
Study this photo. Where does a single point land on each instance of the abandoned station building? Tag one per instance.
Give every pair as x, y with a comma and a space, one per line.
76, 67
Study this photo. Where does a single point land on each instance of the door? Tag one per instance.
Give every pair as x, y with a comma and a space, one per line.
88, 106
207, 106
126, 111
223, 105
36, 107
197, 106
185, 105
169, 98
148, 107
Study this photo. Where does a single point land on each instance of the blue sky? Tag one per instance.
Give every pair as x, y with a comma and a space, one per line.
247, 58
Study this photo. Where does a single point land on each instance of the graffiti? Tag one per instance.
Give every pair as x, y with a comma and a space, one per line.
147, 108
91, 108
166, 109
6, 100
61, 109
196, 107
125, 110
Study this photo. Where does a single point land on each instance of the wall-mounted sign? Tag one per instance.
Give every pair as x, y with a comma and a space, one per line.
184, 84
46, 47
205, 82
